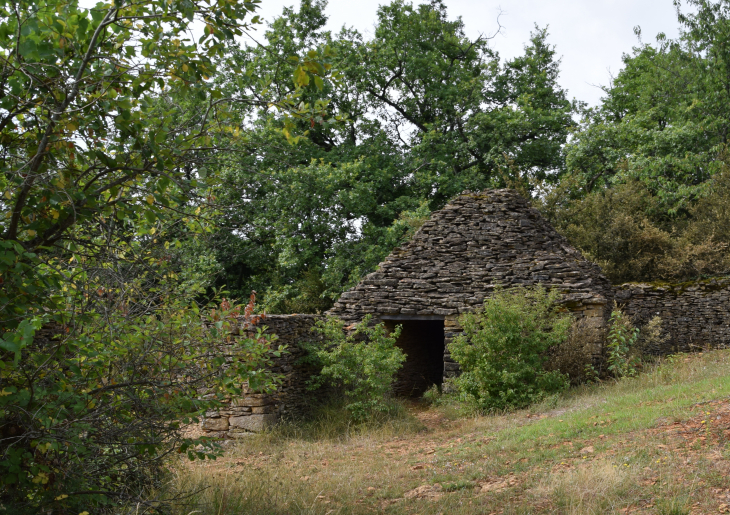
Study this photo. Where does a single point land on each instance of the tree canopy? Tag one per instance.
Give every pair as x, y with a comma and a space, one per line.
418, 113
649, 161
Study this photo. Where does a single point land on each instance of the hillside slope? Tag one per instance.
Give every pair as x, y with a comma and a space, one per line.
658, 443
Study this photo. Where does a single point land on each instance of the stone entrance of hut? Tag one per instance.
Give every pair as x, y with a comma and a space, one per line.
422, 340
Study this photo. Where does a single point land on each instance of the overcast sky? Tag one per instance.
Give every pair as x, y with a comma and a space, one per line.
590, 35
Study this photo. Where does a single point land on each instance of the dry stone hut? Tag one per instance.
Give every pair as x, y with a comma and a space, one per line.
453, 262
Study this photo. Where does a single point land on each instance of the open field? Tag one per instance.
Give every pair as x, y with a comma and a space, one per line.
658, 443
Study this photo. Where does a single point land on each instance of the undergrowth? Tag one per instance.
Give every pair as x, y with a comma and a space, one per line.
333, 422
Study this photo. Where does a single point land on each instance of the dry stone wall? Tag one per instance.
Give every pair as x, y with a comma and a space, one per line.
694, 315
254, 412
454, 261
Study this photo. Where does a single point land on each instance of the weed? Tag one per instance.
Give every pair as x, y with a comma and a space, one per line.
622, 339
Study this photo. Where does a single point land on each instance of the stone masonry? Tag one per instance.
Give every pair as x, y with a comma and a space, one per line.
694, 315
254, 411
455, 260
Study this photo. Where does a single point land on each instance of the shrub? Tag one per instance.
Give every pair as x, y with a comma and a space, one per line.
363, 364
574, 357
652, 337
90, 412
628, 231
502, 350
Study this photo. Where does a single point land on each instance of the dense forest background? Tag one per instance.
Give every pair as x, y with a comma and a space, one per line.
159, 162
421, 112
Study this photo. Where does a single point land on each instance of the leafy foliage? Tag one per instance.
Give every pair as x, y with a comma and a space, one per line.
503, 347
622, 340
665, 119
92, 408
625, 229
418, 113
361, 364
108, 121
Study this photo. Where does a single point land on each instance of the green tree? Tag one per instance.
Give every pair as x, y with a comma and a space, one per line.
108, 123
414, 106
467, 120
665, 118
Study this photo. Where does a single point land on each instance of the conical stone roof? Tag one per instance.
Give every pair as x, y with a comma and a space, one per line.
455, 260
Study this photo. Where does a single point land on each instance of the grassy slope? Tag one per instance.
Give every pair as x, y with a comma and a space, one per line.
658, 443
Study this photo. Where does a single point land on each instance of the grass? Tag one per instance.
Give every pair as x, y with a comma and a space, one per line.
658, 443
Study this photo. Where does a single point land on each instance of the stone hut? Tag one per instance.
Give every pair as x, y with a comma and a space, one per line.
453, 262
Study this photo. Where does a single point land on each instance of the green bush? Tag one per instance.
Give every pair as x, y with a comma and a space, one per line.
362, 364
625, 229
503, 349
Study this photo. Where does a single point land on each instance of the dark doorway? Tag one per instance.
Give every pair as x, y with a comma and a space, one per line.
423, 342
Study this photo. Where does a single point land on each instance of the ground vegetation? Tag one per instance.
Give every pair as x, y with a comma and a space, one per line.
654, 443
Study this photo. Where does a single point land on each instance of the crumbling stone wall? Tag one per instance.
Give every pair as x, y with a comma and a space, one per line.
694, 315
255, 411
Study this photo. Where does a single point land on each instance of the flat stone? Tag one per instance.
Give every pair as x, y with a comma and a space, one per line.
255, 423
263, 409
215, 424
252, 401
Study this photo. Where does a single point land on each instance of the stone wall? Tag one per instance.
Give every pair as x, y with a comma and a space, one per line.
452, 263
254, 411
694, 315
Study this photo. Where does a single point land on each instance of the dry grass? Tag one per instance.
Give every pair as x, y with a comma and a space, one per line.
598, 487
658, 443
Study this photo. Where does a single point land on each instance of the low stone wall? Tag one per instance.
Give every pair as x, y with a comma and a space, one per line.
255, 412
694, 315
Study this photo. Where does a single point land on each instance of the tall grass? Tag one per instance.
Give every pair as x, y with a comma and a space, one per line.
333, 422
